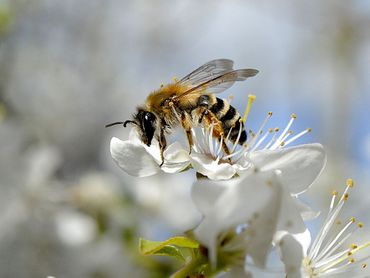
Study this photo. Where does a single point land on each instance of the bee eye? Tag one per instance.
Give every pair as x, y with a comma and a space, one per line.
148, 117
148, 126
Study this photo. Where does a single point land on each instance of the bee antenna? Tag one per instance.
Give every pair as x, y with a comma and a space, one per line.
129, 122
116, 123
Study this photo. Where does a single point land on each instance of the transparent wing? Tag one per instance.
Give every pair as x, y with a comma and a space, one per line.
207, 72
220, 83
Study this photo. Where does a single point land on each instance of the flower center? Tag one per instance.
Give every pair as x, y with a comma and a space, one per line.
271, 139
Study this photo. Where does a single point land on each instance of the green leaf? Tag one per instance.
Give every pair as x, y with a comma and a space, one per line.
170, 251
170, 247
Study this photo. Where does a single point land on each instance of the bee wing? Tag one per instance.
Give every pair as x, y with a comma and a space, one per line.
206, 72
220, 83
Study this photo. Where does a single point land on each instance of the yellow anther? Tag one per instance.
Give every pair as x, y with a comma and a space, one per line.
251, 98
294, 116
276, 129
354, 246
364, 265
353, 220
282, 144
346, 196
349, 254
351, 260
290, 131
338, 222
309, 129
175, 79
270, 113
360, 224
162, 85
270, 130
230, 97
350, 183
334, 193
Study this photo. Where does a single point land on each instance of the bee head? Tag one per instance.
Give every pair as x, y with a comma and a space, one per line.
146, 125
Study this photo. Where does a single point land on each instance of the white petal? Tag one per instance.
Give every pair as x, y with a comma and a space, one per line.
306, 211
238, 204
300, 165
210, 168
176, 158
205, 193
133, 136
291, 255
290, 218
264, 227
133, 158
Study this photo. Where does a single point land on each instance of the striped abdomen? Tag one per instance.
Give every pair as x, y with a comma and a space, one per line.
230, 119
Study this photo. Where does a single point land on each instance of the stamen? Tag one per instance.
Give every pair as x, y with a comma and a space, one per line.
210, 139
241, 151
237, 138
278, 141
251, 98
283, 143
350, 183
273, 139
261, 140
259, 132
328, 256
220, 146
161, 85
175, 79
228, 135
335, 194
330, 244
325, 229
308, 130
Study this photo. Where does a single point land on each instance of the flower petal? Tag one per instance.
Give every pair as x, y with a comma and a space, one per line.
291, 255
133, 158
211, 168
237, 205
299, 165
176, 158
290, 218
205, 193
306, 211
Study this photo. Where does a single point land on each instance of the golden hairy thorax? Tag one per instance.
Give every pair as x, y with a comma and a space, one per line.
159, 101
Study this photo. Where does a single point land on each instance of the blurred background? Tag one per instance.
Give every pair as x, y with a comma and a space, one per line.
68, 67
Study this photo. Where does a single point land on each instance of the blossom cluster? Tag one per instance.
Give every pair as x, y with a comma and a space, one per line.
250, 202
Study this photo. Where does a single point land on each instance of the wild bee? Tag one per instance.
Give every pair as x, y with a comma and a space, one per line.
190, 102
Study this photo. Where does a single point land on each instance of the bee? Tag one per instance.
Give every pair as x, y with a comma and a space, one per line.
190, 102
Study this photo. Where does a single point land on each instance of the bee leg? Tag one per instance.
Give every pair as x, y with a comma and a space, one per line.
162, 145
186, 124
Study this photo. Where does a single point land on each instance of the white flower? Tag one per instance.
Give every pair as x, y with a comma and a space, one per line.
258, 203
207, 156
209, 159
227, 205
238, 217
328, 255
139, 160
